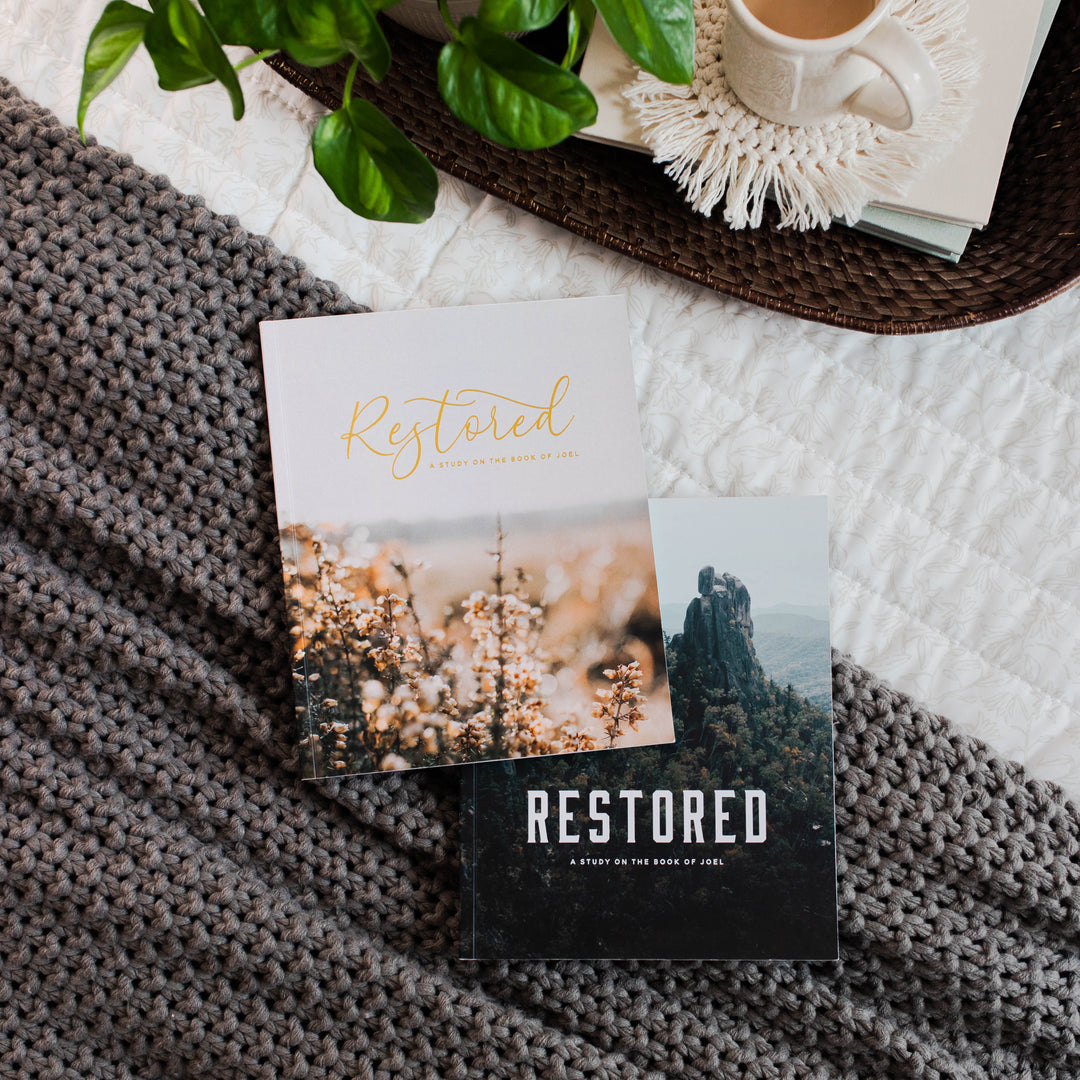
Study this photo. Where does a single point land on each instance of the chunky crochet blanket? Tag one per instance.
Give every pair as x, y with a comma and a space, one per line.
175, 902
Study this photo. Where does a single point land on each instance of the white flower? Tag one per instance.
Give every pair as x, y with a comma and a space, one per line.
430, 692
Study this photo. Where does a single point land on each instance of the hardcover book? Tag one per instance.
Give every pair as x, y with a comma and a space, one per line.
720, 845
465, 535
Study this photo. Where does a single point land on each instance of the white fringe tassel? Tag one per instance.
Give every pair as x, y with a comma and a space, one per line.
841, 167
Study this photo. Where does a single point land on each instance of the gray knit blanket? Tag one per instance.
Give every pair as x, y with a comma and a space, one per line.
175, 902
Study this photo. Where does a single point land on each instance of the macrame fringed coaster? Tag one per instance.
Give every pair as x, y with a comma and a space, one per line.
716, 149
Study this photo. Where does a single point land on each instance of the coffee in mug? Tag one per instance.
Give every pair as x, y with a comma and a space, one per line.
810, 19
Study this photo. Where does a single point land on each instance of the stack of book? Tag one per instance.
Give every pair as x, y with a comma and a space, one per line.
637, 692
951, 197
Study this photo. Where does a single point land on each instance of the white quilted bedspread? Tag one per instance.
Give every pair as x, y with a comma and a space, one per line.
952, 461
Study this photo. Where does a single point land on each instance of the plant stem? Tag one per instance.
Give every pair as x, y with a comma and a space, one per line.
410, 602
444, 11
498, 727
571, 44
346, 95
264, 55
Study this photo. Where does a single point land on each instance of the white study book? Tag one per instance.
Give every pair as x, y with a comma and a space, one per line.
465, 534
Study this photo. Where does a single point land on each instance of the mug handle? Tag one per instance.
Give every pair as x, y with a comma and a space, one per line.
911, 86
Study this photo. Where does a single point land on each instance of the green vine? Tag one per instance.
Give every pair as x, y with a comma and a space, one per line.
491, 81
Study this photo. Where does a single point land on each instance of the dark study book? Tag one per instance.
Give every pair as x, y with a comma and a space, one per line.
720, 845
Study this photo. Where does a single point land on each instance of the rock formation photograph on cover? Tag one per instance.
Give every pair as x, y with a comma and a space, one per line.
465, 538
721, 845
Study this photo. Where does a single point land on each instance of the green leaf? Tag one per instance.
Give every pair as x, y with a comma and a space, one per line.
313, 38
194, 33
658, 35
509, 16
371, 167
581, 16
186, 51
336, 28
258, 24
112, 43
177, 68
510, 94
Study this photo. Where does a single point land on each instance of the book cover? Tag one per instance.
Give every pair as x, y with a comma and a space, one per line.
721, 845
961, 186
465, 535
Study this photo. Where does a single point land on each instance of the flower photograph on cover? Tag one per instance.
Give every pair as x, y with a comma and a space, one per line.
466, 550
520, 642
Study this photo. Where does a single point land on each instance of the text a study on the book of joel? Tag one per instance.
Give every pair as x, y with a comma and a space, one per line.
465, 537
720, 845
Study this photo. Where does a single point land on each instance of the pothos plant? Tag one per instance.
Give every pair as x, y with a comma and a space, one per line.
491, 81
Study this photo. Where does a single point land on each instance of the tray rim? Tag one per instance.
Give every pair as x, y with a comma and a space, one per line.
308, 82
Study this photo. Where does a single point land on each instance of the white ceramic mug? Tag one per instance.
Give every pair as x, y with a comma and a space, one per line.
876, 68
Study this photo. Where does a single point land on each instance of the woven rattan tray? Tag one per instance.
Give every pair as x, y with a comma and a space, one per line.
1029, 251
